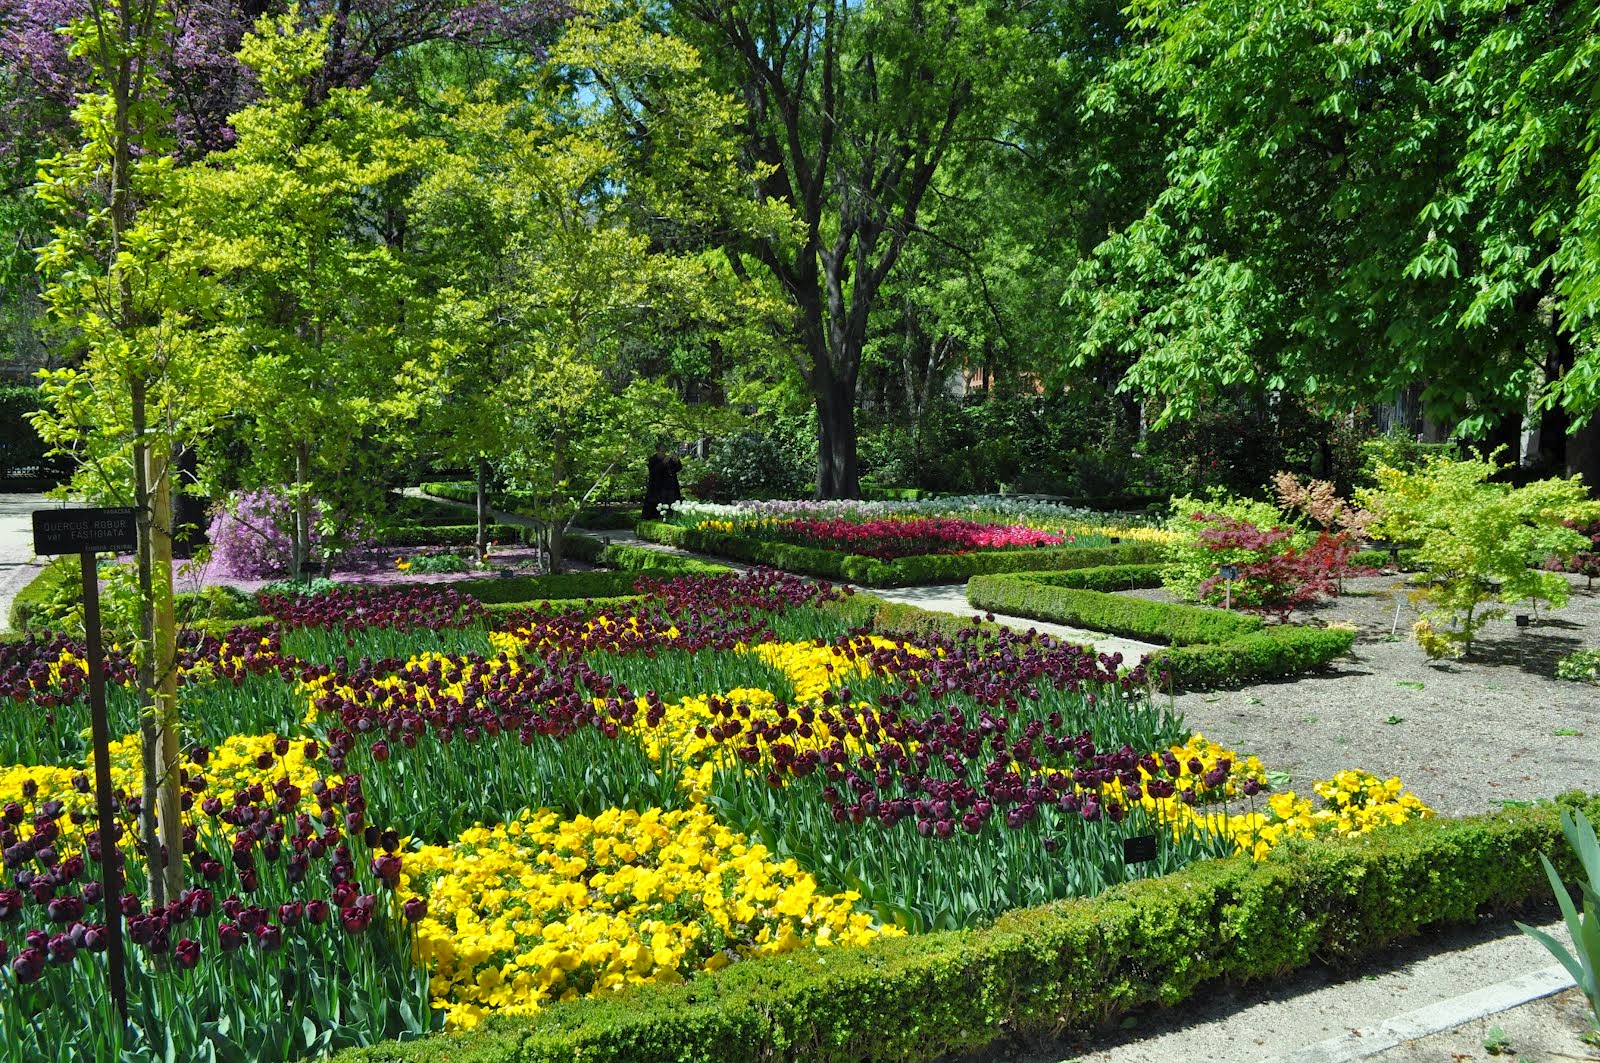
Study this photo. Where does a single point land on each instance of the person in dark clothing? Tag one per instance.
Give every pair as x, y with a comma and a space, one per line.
661, 482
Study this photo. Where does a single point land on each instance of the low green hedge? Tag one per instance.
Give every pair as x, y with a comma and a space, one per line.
1103, 577
882, 617
1271, 654
447, 534
906, 571
956, 568
806, 560
1114, 614
1070, 964
500, 612
1210, 647
525, 589
60, 577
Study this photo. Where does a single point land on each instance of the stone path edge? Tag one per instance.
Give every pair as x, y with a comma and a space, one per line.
1435, 1018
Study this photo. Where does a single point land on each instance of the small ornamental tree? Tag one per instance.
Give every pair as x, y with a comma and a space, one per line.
1478, 541
1319, 502
1278, 577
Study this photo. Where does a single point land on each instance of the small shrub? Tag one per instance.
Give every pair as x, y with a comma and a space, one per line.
1191, 560
1585, 561
1478, 541
1280, 577
1580, 666
251, 535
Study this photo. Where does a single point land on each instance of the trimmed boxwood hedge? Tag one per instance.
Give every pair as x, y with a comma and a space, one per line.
907, 571
1114, 614
1070, 964
1210, 647
1103, 577
1271, 654
447, 534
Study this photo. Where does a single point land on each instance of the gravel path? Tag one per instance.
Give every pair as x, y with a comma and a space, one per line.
1464, 736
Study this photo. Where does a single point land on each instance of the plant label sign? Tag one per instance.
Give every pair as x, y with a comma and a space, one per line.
73, 531
86, 532
1140, 849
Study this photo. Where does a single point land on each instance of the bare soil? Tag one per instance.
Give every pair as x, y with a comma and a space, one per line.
1465, 736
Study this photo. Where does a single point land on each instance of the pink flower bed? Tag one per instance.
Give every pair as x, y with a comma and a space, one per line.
891, 538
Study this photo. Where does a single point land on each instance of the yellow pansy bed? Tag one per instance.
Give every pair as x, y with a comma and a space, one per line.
546, 908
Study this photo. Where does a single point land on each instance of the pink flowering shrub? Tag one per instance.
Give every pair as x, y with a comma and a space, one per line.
891, 538
251, 538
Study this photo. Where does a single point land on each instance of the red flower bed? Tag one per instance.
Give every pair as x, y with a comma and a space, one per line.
894, 537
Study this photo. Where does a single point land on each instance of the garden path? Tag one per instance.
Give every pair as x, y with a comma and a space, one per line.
17, 563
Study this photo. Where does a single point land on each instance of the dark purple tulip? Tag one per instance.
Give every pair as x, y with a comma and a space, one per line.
269, 937
187, 953
229, 936
28, 966
61, 949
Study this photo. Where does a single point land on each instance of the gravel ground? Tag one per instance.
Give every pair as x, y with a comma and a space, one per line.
1464, 736
1540, 1031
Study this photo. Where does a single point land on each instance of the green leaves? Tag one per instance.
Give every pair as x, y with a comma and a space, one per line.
1583, 960
1479, 541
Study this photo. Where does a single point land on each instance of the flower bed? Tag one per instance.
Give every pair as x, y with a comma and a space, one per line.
890, 538
899, 572
401, 817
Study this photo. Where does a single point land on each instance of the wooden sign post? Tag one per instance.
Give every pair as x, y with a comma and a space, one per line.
86, 532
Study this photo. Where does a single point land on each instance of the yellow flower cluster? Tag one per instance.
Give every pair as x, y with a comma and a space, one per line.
543, 908
1355, 802
813, 670
1209, 753
469, 671
204, 668
1129, 534
684, 735
601, 629
234, 765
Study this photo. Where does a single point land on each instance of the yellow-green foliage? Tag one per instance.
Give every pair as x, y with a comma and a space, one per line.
1477, 540
1190, 562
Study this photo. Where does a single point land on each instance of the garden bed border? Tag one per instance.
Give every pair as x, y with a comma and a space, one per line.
1209, 647
1068, 964
903, 572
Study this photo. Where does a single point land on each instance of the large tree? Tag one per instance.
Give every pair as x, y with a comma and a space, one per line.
126, 297
853, 109
314, 299
545, 229
1359, 198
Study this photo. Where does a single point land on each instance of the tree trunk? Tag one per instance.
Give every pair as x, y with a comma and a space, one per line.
555, 538
165, 651
149, 734
483, 507
837, 473
301, 535
1582, 436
